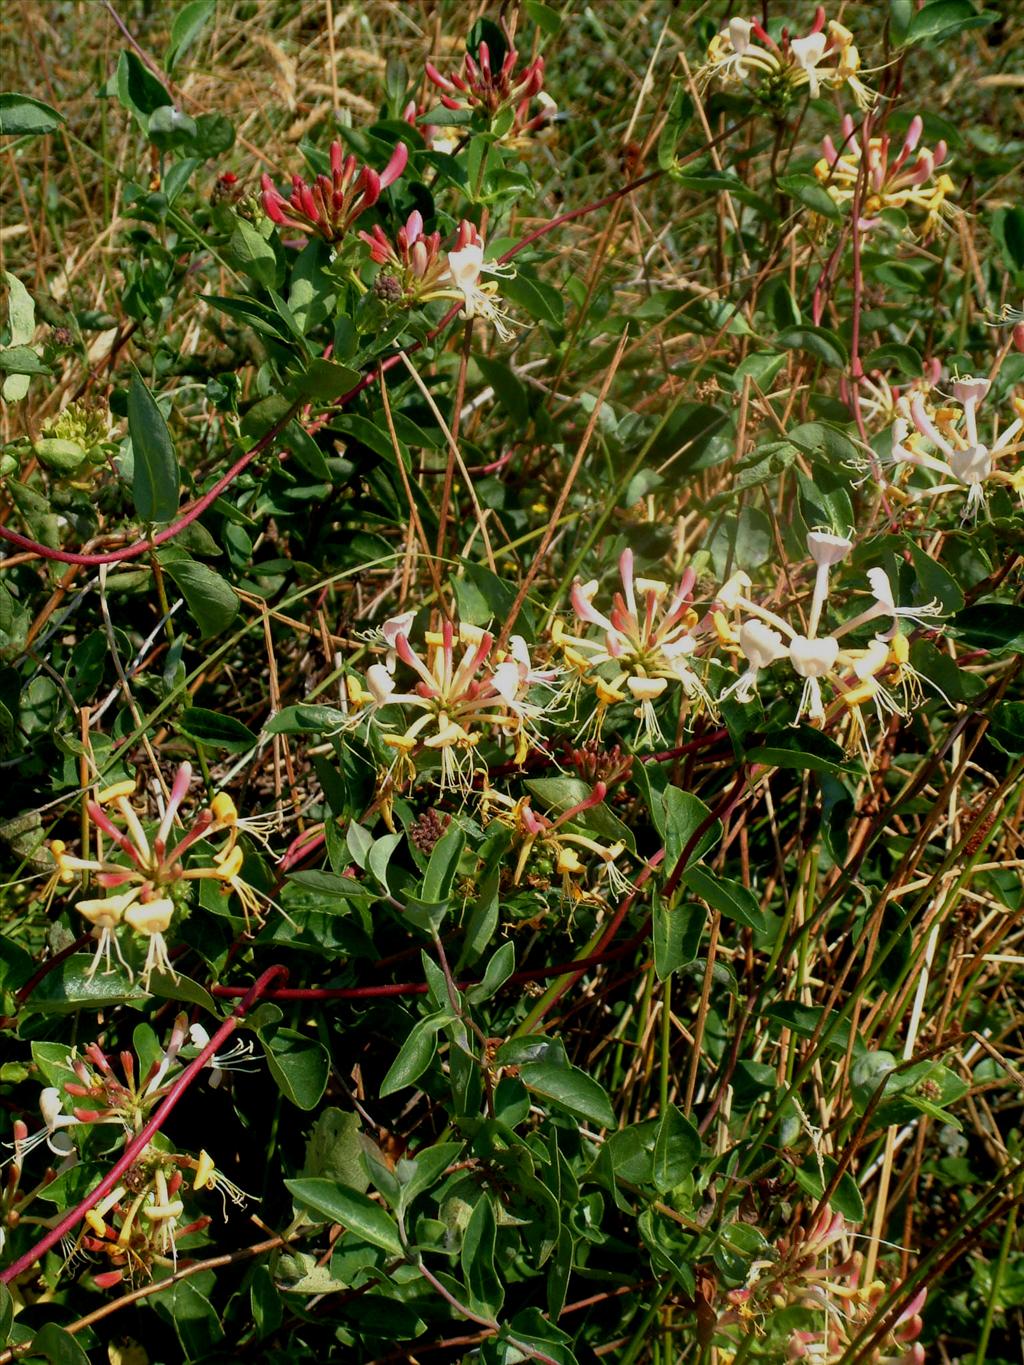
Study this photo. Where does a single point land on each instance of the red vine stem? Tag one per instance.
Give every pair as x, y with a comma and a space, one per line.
142, 1138
400, 988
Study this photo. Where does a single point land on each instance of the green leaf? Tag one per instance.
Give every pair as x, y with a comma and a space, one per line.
824, 345
415, 1054
801, 747
846, 1198
21, 360
6, 1314
62, 456
443, 864
300, 1065
69, 988
992, 626
21, 323
729, 897
305, 718
569, 1088
509, 388
334, 1150
541, 300
1007, 727
196, 1323
805, 1020
218, 730
210, 599
942, 19
179, 987
676, 933
58, 1346
546, 19
895, 355
253, 254
477, 1259
499, 969
189, 22
156, 479
677, 1149
22, 116
683, 814
138, 90
326, 379
809, 191
355, 1212
679, 116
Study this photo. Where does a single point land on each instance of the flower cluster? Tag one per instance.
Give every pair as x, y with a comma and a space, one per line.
492, 90
648, 642
139, 1222
143, 876
824, 57
460, 692
557, 844
905, 181
330, 205
762, 637
946, 442
799, 1275
416, 270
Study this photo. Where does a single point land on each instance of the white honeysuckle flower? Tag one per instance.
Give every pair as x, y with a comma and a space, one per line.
739, 35
970, 390
734, 588
812, 660
60, 1144
826, 548
381, 684
465, 268
397, 625
105, 913
760, 646
239, 1057
963, 461
972, 467
885, 605
152, 919
808, 52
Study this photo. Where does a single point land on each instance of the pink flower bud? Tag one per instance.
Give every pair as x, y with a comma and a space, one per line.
435, 76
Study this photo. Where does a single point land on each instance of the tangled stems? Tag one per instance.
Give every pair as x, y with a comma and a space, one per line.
141, 1140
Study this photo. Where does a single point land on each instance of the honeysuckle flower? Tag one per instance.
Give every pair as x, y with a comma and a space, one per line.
647, 645
239, 1057
152, 919
105, 914
458, 699
537, 833
330, 205
760, 646
466, 266
962, 459
825, 56
885, 605
52, 1133
906, 181
139, 871
490, 90
764, 637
